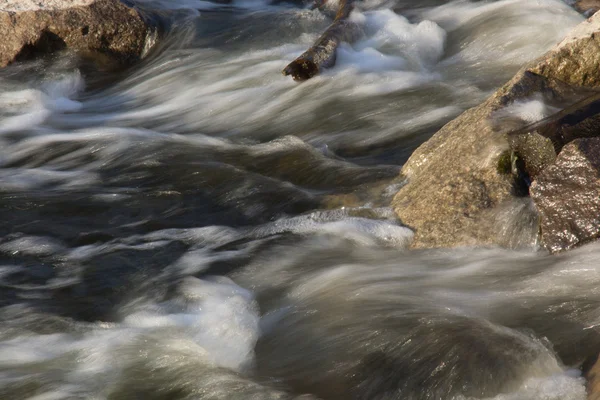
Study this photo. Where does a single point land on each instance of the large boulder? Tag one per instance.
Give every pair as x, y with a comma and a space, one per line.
469, 183
105, 29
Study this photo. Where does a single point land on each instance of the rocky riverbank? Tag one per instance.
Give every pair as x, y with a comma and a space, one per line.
515, 157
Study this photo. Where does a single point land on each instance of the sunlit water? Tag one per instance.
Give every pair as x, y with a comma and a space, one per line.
202, 227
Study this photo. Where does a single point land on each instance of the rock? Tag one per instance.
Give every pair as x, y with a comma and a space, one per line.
104, 29
587, 7
567, 196
592, 376
576, 59
486, 158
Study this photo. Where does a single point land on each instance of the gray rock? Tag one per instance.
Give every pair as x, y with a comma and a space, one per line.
485, 159
105, 30
576, 59
567, 196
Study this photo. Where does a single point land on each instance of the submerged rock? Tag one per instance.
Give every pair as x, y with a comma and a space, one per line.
485, 159
567, 196
106, 30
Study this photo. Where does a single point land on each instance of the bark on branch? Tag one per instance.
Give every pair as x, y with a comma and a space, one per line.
323, 53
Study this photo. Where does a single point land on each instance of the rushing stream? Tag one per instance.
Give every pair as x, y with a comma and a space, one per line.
202, 227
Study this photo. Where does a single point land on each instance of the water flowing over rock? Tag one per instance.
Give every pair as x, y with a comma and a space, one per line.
487, 157
105, 30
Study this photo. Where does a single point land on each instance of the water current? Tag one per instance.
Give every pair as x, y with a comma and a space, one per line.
202, 227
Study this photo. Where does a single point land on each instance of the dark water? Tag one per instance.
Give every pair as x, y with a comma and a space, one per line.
201, 227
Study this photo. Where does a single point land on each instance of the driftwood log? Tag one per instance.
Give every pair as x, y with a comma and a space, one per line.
535, 145
323, 53
580, 119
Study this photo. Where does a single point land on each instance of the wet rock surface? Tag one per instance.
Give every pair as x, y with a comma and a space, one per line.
567, 196
105, 30
576, 59
487, 157
592, 376
588, 7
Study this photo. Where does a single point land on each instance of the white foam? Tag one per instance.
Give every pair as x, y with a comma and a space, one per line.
24, 350
237, 93
31, 108
363, 231
27, 108
458, 13
242, 93
421, 43
58, 92
33, 246
214, 321
529, 111
510, 32
566, 386
219, 316
367, 60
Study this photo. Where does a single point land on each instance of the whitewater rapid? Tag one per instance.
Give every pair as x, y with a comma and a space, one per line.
202, 227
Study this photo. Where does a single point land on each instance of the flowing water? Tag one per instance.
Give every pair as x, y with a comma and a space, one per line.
202, 227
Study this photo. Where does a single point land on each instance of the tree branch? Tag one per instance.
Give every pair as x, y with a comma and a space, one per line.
323, 53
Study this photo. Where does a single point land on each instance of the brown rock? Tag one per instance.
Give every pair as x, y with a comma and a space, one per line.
576, 59
587, 7
105, 29
481, 162
592, 376
567, 196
